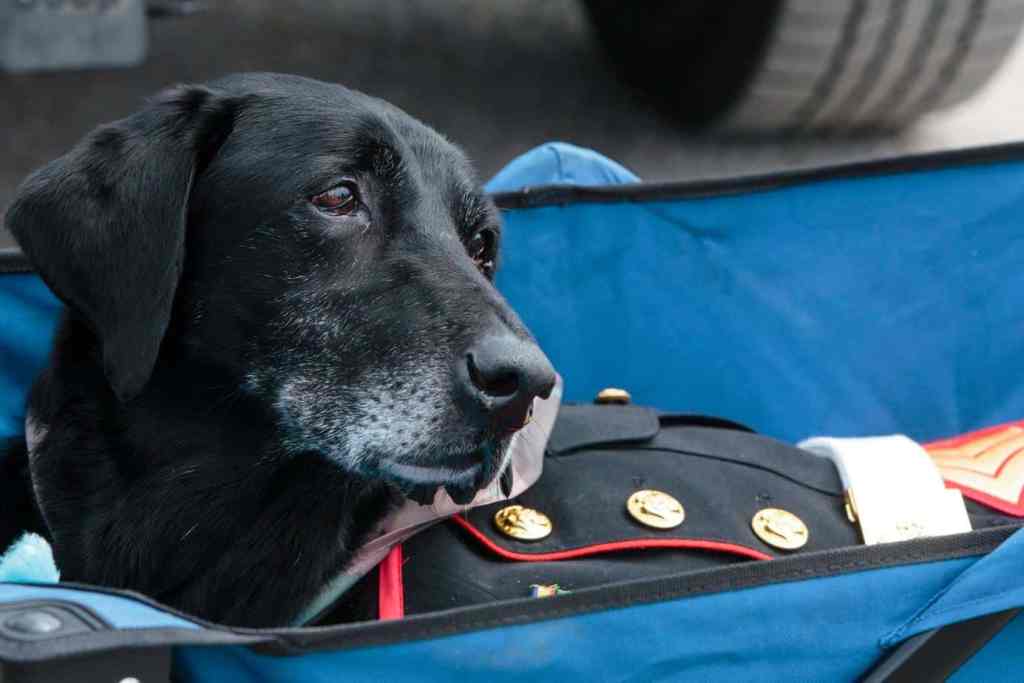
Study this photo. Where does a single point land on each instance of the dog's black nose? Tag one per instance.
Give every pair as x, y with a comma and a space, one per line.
508, 373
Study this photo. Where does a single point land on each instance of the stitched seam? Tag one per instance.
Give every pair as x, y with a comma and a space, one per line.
901, 633
898, 633
973, 601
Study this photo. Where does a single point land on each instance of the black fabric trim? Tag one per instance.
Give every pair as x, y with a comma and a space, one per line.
291, 641
555, 195
151, 664
111, 639
629, 594
103, 641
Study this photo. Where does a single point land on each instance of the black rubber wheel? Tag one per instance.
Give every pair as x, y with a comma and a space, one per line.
797, 65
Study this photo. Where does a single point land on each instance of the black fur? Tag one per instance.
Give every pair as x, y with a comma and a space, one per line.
20, 513
243, 385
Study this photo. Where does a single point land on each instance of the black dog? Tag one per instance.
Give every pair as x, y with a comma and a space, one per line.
279, 320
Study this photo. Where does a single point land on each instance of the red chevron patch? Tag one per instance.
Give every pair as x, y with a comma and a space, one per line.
986, 465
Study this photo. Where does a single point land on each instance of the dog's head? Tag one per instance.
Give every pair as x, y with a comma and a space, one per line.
328, 253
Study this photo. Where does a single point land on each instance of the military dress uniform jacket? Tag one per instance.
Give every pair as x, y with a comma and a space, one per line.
628, 492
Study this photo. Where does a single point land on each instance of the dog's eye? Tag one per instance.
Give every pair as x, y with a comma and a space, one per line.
340, 201
481, 249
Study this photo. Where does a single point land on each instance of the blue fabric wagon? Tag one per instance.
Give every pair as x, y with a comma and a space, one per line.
867, 299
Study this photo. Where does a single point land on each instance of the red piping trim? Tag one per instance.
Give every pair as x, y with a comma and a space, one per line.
957, 441
391, 593
613, 547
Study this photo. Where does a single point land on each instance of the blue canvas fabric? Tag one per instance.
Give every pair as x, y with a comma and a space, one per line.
990, 585
560, 163
842, 307
822, 630
845, 307
29, 315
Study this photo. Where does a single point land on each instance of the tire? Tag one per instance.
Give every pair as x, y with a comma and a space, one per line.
808, 65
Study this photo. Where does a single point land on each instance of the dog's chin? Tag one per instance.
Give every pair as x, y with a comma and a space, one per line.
461, 476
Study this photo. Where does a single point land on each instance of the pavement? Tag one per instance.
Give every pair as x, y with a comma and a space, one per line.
496, 78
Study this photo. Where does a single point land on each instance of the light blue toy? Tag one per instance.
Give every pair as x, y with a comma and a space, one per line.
29, 560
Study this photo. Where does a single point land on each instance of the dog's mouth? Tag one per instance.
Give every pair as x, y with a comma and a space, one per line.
461, 475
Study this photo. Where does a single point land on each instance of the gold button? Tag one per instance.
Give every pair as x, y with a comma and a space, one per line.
522, 524
656, 509
613, 396
780, 529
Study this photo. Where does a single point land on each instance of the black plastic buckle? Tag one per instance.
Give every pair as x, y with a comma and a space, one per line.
45, 641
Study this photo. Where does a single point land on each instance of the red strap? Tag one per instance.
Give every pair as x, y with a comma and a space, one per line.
614, 547
391, 592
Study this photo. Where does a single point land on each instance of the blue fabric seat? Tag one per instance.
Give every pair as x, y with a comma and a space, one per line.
882, 302
846, 307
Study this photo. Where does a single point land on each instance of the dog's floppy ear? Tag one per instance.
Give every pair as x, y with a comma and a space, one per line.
104, 225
